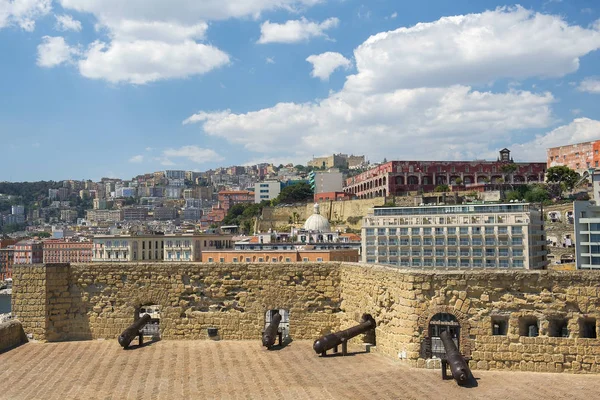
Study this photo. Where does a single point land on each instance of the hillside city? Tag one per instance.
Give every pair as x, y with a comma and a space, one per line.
525, 210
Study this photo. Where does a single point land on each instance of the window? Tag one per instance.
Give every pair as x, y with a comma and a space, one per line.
210, 260
517, 242
392, 231
499, 325
404, 231
587, 328
517, 252
464, 230
477, 262
516, 230
370, 231
319, 259
518, 263
287, 259
235, 259
248, 259
451, 241
426, 231
490, 241
529, 326
557, 327
381, 231
260, 259
439, 241
439, 231
305, 259
415, 242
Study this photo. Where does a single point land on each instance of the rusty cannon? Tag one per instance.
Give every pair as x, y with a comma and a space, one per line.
333, 340
272, 332
458, 365
134, 330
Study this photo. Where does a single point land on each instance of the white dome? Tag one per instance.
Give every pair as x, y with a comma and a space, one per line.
317, 222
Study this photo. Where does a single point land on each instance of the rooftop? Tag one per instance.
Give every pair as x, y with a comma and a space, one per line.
245, 370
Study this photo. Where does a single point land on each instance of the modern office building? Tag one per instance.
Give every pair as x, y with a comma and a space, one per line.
587, 235
467, 236
267, 190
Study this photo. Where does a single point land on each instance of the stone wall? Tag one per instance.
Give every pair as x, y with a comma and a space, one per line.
11, 335
337, 212
404, 302
88, 301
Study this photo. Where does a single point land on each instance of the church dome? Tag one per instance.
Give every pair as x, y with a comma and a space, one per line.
317, 222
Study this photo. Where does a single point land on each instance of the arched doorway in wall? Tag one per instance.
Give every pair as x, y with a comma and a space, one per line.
439, 323
152, 328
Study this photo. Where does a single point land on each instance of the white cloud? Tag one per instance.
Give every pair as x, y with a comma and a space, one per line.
576, 111
270, 60
66, 22
151, 40
578, 131
144, 61
393, 16
293, 31
54, 51
462, 122
131, 30
193, 153
149, 149
23, 12
183, 11
137, 159
590, 85
324, 64
472, 49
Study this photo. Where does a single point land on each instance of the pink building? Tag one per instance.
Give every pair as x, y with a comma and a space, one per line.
29, 252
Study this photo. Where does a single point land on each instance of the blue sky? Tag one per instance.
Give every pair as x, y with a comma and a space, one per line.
93, 88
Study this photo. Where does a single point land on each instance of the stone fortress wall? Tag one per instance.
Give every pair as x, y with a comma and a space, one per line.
85, 301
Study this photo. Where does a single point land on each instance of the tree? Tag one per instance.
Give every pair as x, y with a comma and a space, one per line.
298, 193
458, 181
537, 194
508, 170
442, 188
563, 175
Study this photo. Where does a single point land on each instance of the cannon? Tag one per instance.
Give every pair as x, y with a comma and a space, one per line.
458, 365
271, 332
134, 330
333, 340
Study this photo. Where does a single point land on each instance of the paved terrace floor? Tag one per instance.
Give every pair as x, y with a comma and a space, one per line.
244, 370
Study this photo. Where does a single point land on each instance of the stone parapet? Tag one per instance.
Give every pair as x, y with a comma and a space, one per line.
89, 301
11, 335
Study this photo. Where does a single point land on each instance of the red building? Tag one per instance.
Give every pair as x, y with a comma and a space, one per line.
327, 196
29, 252
229, 198
7, 256
60, 251
396, 177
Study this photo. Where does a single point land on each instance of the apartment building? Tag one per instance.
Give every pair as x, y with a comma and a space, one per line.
61, 251
104, 215
467, 236
171, 247
581, 157
229, 198
7, 256
324, 182
267, 190
280, 256
29, 252
135, 213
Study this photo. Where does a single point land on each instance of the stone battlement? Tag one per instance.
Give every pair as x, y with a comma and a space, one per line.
58, 302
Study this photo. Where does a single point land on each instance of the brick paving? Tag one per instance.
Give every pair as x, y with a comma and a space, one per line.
245, 370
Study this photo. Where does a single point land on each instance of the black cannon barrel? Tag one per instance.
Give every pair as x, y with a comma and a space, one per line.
132, 331
332, 340
458, 365
270, 333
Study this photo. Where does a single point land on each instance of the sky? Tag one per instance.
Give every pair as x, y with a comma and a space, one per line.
112, 88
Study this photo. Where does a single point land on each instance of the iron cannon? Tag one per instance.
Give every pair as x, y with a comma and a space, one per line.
134, 330
458, 365
271, 332
333, 340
